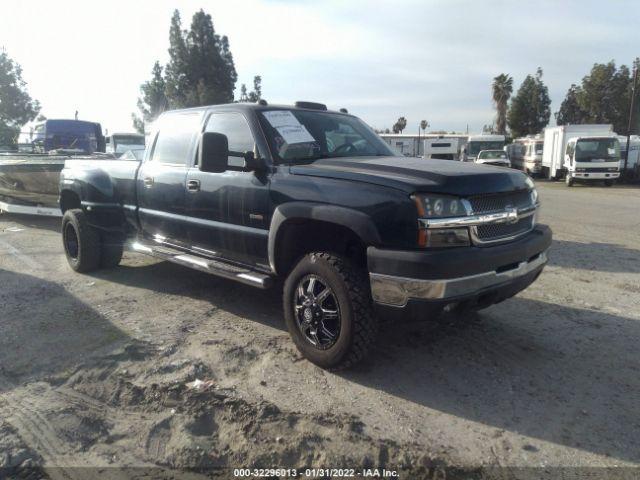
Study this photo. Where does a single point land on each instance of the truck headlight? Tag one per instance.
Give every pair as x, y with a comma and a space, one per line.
439, 206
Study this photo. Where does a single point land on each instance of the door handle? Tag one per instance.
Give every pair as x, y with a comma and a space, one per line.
193, 185
148, 182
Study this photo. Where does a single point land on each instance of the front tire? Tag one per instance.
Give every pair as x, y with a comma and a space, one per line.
568, 179
81, 241
608, 183
329, 311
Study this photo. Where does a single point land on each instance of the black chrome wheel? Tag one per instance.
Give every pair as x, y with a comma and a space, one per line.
317, 312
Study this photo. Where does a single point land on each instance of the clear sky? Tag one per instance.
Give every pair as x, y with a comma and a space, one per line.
380, 59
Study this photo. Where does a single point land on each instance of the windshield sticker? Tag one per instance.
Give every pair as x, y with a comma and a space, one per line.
288, 126
612, 151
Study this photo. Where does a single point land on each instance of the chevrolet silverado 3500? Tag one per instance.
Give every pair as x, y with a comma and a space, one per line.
259, 193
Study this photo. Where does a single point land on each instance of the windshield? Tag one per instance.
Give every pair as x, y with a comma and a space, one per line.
492, 154
539, 146
475, 147
128, 139
607, 149
302, 135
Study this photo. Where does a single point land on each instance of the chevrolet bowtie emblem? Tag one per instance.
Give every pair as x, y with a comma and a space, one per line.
512, 214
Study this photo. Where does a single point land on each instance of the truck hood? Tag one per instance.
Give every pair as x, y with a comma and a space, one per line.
418, 175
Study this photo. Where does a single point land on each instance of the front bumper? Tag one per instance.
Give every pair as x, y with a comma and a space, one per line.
400, 278
594, 175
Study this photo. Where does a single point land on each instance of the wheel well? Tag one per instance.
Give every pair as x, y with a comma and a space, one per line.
299, 237
69, 200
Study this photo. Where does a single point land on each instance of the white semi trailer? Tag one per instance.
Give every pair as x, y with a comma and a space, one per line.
477, 143
581, 152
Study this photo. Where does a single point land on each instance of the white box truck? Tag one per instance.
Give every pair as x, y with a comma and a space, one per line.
633, 162
581, 152
477, 143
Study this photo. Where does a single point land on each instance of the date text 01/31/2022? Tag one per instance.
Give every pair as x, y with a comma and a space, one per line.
315, 472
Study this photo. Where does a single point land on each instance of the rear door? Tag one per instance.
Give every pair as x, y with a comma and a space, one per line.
229, 211
161, 179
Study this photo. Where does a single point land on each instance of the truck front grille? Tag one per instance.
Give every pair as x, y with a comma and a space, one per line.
502, 231
499, 202
596, 170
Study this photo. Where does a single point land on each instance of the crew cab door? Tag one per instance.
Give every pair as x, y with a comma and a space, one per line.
161, 179
229, 212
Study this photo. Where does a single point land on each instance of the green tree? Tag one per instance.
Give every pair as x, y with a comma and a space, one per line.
200, 69
530, 109
570, 111
176, 79
400, 125
153, 100
605, 94
501, 90
255, 94
16, 105
423, 125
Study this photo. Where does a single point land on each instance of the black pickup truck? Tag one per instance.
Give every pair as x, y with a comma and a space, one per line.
260, 193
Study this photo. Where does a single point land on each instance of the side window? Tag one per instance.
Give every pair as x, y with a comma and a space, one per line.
175, 138
238, 133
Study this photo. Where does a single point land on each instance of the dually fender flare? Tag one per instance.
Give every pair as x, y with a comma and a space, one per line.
358, 222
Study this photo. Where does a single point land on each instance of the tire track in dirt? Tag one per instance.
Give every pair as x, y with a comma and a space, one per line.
25, 412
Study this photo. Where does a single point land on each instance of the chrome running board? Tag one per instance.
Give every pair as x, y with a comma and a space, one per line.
215, 267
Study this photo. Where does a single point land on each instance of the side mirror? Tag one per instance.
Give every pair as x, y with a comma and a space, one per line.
213, 152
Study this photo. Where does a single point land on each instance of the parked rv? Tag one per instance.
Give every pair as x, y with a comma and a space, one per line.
525, 153
119, 143
581, 152
442, 148
477, 143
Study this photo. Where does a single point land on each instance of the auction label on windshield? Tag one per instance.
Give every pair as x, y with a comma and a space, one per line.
315, 473
288, 126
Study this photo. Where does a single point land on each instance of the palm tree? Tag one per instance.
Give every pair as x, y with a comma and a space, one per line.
501, 89
423, 125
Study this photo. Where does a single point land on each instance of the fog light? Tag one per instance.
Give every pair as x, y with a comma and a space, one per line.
443, 237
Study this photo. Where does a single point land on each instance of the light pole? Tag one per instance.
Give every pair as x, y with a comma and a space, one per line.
631, 111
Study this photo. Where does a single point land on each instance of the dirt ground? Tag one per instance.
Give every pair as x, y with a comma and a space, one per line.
98, 370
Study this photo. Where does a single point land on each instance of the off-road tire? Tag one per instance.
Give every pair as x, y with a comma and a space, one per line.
358, 323
86, 257
112, 250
